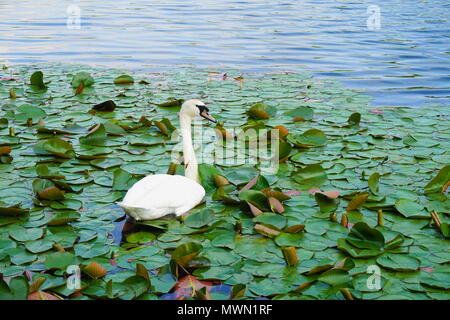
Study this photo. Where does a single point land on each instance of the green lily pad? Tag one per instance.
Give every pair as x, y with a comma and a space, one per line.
141, 237
55, 146
37, 80
199, 219
399, 262
25, 234
311, 176
59, 260
82, 77
186, 252
411, 209
364, 237
310, 138
124, 79
437, 183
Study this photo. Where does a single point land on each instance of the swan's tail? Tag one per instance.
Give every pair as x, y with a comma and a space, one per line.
135, 212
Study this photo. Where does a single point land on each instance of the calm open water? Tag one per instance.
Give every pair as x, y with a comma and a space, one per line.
404, 62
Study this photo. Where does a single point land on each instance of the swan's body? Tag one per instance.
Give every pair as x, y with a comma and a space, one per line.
161, 194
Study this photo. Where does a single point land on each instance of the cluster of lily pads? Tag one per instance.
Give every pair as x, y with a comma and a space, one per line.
359, 192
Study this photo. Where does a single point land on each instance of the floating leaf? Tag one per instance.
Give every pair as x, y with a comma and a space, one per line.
59, 260
409, 208
42, 295
364, 237
357, 201
124, 79
37, 80
63, 217
56, 147
5, 150
311, 176
436, 280
336, 278
308, 139
38, 246
276, 205
14, 210
16, 290
188, 285
95, 270
123, 180
106, 106
257, 183
282, 131
140, 237
46, 172
261, 111
356, 252
445, 229
26, 112
12, 93
82, 77
220, 180
439, 181
35, 285
80, 88
256, 198
289, 239
266, 230
276, 194
142, 272
206, 173
135, 286
145, 140
238, 291
354, 119
186, 252
290, 255
284, 150
21, 234
96, 137
399, 262
326, 203
300, 113
46, 190
171, 103
106, 163
269, 218
374, 180
199, 219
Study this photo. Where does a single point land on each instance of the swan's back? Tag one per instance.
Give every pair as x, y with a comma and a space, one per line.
158, 195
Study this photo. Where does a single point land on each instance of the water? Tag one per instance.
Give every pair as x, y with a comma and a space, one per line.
405, 62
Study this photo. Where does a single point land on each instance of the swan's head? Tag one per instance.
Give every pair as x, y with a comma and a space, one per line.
194, 108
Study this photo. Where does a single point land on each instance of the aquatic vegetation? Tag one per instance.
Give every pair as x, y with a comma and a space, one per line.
358, 192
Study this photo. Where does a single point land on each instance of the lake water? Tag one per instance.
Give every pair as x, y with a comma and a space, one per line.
406, 61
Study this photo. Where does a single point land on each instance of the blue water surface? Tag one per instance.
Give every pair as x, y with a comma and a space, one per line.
402, 58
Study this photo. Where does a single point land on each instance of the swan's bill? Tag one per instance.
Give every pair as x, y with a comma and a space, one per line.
207, 116
204, 111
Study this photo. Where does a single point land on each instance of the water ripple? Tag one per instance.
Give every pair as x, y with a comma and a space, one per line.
406, 62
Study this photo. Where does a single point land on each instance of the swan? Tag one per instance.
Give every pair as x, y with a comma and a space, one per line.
161, 194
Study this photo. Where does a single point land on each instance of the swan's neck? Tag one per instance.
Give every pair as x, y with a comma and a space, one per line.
190, 162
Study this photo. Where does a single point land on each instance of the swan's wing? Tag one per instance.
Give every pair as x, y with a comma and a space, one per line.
163, 191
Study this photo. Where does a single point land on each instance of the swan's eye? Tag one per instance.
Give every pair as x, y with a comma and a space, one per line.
202, 108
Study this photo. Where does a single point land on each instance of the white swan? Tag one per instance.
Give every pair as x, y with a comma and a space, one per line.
161, 194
